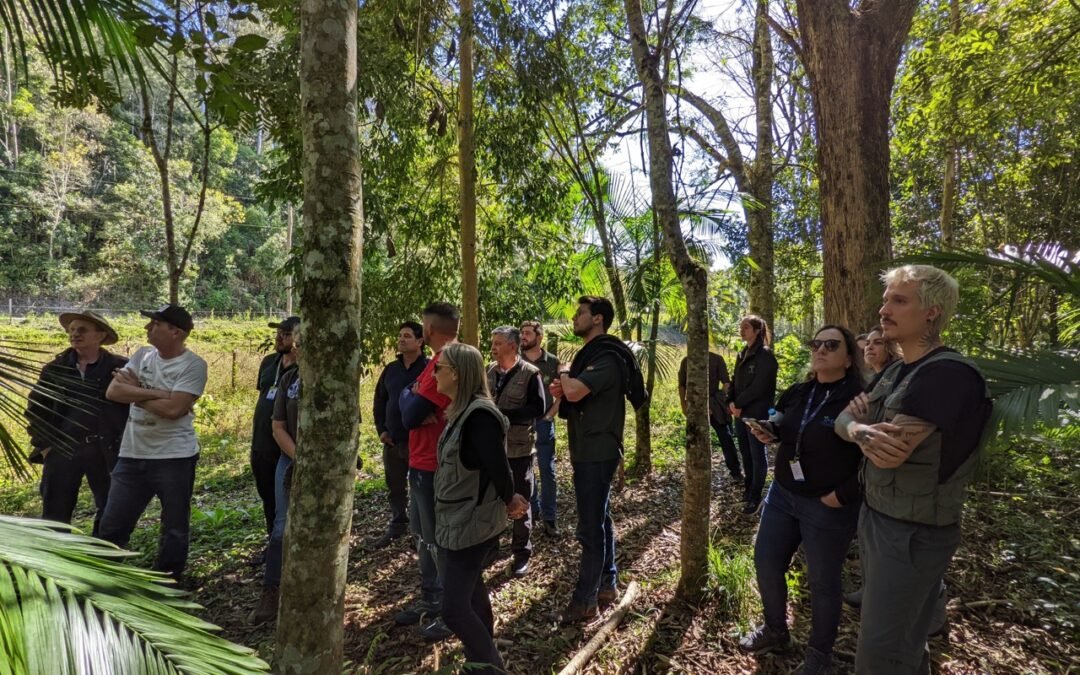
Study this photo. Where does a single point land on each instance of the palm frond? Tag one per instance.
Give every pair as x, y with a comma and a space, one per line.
1030, 387
69, 604
1060, 274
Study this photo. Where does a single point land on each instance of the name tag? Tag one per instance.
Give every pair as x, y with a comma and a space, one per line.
271, 393
796, 471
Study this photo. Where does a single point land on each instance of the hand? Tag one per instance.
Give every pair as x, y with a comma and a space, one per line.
125, 376
386, 438
859, 407
735, 412
761, 435
518, 507
831, 501
556, 388
880, 445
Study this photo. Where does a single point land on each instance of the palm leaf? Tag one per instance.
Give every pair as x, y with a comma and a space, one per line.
1061, 275
1030, 387
68, 604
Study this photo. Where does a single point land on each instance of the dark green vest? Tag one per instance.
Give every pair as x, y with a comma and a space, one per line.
520, 438
912, 491
464, 517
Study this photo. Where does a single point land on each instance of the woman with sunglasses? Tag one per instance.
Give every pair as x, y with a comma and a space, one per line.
474, 493
753, 389
813, 502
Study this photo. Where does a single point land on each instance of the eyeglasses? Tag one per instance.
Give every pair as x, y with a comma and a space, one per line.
440, 366
81, 330
829, 345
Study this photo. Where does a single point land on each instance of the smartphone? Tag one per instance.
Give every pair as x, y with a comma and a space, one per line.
764, 426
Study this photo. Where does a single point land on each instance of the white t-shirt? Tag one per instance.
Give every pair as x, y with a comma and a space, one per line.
148, 436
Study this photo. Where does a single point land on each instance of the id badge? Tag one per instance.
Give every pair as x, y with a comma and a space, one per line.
796, 471
271, 393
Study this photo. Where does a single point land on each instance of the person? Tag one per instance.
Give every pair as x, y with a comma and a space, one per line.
474, 494
423, 413
74, 430
813, 501
264, 450
159, 450
593, 390
544, 497
719, 418
284, 425
753, 390
920, 430
878, 354
395, 378
517, 390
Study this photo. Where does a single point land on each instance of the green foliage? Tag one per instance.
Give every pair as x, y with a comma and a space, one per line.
733, 581
793, 358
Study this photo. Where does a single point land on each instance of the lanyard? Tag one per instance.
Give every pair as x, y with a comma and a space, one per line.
808, 415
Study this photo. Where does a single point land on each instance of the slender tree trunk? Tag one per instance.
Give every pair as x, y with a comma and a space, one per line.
694, 278
759, 218
470, 301
948, 183
310, 632
851, 56
288, 252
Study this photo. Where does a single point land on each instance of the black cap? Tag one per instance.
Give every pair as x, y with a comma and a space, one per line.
172, 314
287, 324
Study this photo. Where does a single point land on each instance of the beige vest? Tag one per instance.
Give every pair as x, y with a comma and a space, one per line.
520, 438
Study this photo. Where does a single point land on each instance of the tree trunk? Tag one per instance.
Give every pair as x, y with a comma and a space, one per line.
694, 278
470, 301
310, 631
851, 56
952, 160
759, 218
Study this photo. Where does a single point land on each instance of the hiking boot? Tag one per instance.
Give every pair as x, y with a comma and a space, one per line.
551, 529
607, 596
385, 540
436, 631
267, 608
518, 567
575, 613
853, 599
763, 640
417, 613
814, 663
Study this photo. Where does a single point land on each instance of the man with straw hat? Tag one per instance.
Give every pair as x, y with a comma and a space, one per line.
74, 430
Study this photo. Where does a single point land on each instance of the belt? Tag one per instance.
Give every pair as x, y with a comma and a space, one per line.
92, 438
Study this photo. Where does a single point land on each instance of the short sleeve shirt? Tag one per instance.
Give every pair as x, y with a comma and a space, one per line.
548, 365
148, 436
287, 402
596, 433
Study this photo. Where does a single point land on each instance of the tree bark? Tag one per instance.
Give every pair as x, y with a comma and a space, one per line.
759, 218
694, 278
470, 301
948, 183
310, 632
851, 55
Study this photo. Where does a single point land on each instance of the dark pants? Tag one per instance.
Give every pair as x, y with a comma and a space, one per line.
61, 478
422, 523
755, 461
788, 520
467, 607
524, 483
595, 531
275, 551
544, 496
903, 565
395, 460
727, 444
134, 483
263, 468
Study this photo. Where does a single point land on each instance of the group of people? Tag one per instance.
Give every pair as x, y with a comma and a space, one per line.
880, 440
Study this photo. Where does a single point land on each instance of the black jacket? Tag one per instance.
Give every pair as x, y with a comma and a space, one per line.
753, 388
69, 411
386, 408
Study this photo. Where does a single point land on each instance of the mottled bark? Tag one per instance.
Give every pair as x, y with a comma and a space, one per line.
310, 630
952, 159
851, 55
470, 301
694, 278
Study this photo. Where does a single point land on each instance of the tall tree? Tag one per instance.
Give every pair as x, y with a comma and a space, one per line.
694, 278
311, 616
851, 52
470, 300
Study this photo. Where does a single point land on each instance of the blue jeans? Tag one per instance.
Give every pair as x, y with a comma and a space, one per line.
134, 482
422, 522
595, 531
543, 497
272, 575
755, 461
788, 520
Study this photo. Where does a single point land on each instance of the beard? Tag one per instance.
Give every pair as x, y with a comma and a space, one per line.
281, 349
581, 332
526, 346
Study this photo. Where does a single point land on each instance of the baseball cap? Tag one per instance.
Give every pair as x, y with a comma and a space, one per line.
288, 324
174, 315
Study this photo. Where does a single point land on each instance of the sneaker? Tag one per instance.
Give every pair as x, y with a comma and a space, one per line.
814, 663
518, 567
415, 614
551, 529
267, 608
575, 613
436, 631
751, 507
853, 599
607, 596
764, 639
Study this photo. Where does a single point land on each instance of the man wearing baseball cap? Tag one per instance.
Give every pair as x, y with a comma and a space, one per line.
74, 430
264, 449
159, 449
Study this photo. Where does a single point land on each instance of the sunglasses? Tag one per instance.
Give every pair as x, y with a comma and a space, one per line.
829, 345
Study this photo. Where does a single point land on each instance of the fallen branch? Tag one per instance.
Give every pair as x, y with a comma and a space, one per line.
979, 604
582, 657
1026, 495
